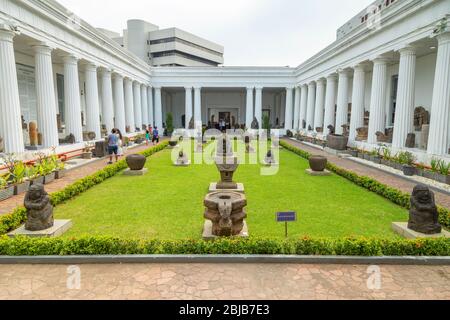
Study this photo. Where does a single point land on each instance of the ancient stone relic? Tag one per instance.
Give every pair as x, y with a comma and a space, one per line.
269, 159
335, 141
255, 124
136, 162
423, 215
226, 163
362, 134
319, 129
33, 133
410, 140
318, 163
39, 209
424, 136
331, 129
345, 129
303, 124
182, 159
191, 124
421, 117
226, 211
386, 136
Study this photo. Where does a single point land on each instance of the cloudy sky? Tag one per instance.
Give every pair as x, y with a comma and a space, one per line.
253, 32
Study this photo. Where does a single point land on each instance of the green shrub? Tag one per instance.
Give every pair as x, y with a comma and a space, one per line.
394, 195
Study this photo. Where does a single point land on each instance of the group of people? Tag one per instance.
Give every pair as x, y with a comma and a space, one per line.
115, 142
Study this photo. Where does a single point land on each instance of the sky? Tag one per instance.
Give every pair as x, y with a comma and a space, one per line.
253, 32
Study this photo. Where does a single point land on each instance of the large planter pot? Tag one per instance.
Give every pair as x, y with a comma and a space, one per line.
442, 178
59, 174
136, 162
337, 142
49, 178
419, 172
409, 170
173, 143
385, 162
6, 193
38, 180
318, 163
375, 159
21, 188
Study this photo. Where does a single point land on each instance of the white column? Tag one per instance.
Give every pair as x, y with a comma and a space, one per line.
320, 104
92, 100
258, 105
151, 117
404, 114
129, 105
198, 107
137, 105
342, 102
72, 98
119, 103
249, 108
188, 106
107, 100
358, 98
158, 110
289, 107
297, 109
45, 94
303, 105
311, 105
10, 119
144, 105
377, 119
440, 109
330, 103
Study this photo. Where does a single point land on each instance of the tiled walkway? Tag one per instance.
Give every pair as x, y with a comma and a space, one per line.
383, 177
73, 175
223, 281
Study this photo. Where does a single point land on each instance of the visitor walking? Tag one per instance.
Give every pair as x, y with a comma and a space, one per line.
155, 136
147, 137
120, 143
113, 146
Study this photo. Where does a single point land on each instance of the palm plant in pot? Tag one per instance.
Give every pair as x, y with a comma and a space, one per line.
375, 156
35, 174
443, 172
59, 165
407, 160
47, 168
19, 175
6, 190
386, 156
431, 174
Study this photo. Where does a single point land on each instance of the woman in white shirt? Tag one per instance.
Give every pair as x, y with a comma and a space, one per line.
120, 149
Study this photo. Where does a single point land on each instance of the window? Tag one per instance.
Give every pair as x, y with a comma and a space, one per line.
60, 89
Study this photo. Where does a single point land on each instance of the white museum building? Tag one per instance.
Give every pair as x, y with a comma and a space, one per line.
386, 76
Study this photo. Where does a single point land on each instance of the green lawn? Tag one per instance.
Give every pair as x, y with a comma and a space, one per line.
167, 203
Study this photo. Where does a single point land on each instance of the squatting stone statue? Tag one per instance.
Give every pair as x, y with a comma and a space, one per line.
39, 209
423, 215
255, 124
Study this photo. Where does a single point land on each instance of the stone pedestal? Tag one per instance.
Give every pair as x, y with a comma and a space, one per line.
207, 232
318, 173
183, 164
58, 229
130, 172
401, 228
213, 188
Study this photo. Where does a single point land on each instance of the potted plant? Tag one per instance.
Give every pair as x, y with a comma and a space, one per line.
361, 153
353, 152
431, 174
59, 165
375, 156
386, 157
48, 168
407, 159
443, 172
87, 151
18, 175
366, 155
6, 190
35, 174
420, 169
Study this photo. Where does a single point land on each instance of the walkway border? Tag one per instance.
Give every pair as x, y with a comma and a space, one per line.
238, 259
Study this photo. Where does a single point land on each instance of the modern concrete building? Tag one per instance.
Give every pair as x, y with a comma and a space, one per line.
387, 74
167, 47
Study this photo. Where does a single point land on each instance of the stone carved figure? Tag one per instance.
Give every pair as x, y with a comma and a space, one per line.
33, 132
191, 124
255, 124
362, 133
226, 212
39, 209
421, 117
410, 140
269, 159
386, 136
345, 129
303, 124
182, 159
331, 129
423, 215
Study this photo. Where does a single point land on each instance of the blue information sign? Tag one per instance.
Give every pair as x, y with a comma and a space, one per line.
286, 216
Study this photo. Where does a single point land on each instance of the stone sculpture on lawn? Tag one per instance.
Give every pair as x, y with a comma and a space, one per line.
39, 209
423, 215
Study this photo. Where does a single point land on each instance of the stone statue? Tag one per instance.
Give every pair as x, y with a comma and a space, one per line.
385, 137
33, 133
255, 124
303, 124
39, 209
362, 134
410, 140
423, 215
421, 117
310, 128
70, 139
331, 128
182, 159
226, 163
226, 212
191, 124
269, 158
345, 130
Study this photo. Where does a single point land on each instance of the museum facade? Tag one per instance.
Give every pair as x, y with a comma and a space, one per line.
385, 80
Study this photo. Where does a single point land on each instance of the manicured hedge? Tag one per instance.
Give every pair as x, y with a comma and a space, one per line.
394, 195
23, 246
18, 216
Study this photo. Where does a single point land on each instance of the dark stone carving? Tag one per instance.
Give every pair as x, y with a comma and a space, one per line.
303, 124
337, 142
331, 128
70, 139
318, 163
100, 149
421, 117
386, 136
411, 140
39, 209
362, 134
255, 124
136, 162
191, 124
310, 128
270, 159
345, 130
226, 211
423, 215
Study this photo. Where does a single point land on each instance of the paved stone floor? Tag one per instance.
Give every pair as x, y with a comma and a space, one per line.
73, 175
383, 177
223, 282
